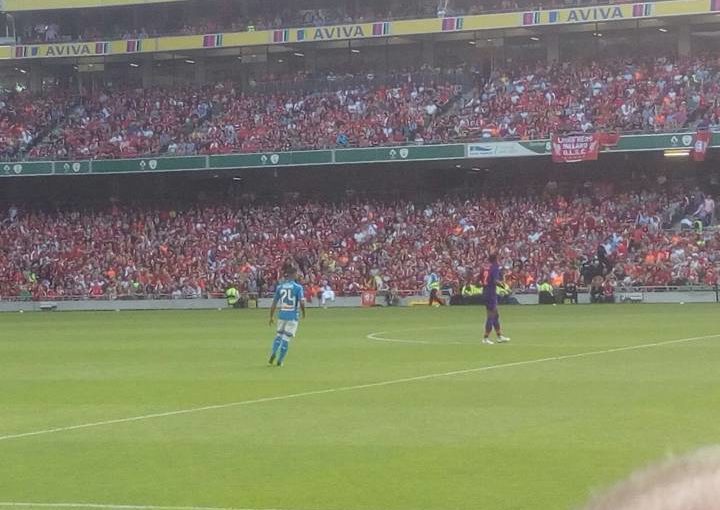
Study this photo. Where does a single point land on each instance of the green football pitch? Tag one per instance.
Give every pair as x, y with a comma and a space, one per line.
381, 409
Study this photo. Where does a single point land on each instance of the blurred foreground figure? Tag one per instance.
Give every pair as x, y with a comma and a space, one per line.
691, 482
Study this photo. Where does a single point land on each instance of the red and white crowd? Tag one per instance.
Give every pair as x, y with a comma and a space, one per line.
421, 107
221, 119
25, 119
148, 251
615, 94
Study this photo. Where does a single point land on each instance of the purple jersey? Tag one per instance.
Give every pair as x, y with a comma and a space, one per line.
492, 277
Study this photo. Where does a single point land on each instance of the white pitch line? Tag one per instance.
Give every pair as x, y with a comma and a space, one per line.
352, 388
101, 506
379, 338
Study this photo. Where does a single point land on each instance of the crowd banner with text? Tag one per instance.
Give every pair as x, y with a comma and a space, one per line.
575, 148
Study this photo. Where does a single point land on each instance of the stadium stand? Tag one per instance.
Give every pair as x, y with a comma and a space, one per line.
641, 95
222, 118
193, 250
429, 106
416, 92
25, 118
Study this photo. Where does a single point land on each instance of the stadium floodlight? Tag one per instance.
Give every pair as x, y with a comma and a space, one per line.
677, 153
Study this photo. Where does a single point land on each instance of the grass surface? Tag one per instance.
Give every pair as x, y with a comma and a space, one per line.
529, 436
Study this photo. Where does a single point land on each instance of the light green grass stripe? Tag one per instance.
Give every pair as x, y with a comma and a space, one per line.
355, 387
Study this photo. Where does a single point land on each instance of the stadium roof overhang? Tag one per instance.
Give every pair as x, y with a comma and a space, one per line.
47, 5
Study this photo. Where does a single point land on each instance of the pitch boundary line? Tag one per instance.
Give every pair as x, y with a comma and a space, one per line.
340, 389
102, 506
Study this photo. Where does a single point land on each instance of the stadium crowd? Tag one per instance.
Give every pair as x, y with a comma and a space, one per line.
628, 239
25, 118
225, 16
613, 94
125, 123
424, 106
220, 119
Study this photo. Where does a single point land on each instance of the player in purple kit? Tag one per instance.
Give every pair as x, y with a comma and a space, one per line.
492, 278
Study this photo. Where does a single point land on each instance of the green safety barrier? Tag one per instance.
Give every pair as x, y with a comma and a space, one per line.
475, 150
27, 168
148, 165
411, 153
319, 157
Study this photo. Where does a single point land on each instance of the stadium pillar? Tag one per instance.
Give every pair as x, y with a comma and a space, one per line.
147, 74
35, 79
684, 41
552, 42
311, 60
200, 72
428, 52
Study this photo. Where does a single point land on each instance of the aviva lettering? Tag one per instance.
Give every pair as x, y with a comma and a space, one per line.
69, 50
344, 32
595, 14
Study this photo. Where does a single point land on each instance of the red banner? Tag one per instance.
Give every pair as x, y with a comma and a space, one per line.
609, 139
574, 148
368, 298
702, 141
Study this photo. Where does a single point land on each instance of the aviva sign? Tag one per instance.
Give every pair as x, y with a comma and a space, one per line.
63, 50
332, 33
589, 14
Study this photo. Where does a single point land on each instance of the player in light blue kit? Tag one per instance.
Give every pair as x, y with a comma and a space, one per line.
290, 299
